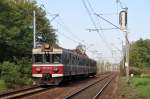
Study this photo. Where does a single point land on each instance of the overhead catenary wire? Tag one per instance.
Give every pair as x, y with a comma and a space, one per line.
121, 5
97, 30
68, 29
56, 15
100, 26
90, 6
95, 26
106, 20
89, 13
64, 26
68, 37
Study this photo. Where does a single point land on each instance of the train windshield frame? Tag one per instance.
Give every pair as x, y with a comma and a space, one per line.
37, 58
47, 58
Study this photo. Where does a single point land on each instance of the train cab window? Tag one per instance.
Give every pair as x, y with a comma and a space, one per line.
38, 58
56, 58
47, 58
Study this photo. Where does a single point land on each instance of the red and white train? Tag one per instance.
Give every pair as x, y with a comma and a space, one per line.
53, 65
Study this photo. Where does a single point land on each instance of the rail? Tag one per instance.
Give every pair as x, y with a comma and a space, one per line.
75, 93
103, 88
22, 92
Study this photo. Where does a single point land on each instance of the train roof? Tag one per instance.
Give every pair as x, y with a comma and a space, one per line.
58, 50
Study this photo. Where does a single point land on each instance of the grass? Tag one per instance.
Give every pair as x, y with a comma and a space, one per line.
142, 84
127, 91
138, 88
2, 85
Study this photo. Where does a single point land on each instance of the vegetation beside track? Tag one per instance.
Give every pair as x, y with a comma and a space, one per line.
140, 53
15, 74
142, 84
138, 88
2, 85
16, 37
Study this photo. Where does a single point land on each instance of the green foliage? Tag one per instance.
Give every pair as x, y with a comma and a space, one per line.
128, 91
145, 75
16, 29
2, 85
135, 71
14, 74
140, 53
142, 85
16, 37
9, 73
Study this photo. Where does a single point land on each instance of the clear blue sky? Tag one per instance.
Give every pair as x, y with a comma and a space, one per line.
73, 21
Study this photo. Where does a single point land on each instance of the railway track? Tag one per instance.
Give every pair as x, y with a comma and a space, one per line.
53, 90
23, 92
108, 79
103, 88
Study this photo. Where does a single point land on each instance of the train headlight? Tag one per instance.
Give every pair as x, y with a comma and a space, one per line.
38, 69
55, 69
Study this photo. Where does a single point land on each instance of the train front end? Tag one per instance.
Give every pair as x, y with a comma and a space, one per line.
47, 67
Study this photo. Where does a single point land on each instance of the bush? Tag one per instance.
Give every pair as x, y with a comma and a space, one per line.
145, 75
16, 74
9, 73
135, 71
2, 85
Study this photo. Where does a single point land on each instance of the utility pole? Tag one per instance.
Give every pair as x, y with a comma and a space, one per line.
123, 55
127, 56
34, 30
124, 28
127, 49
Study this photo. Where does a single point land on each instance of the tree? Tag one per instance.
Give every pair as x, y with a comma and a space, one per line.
16, 38
140, 53
15, 29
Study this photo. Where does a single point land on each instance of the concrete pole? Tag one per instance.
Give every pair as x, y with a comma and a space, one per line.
127, 57
127, 50
34, 30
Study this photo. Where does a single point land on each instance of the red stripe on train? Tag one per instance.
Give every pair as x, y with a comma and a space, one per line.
47, 69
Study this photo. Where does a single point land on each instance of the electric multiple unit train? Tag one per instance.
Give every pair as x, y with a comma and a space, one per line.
52, 65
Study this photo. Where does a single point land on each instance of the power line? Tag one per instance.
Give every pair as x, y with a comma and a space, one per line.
69, 30
101, 29
121, 4
65, 27
89, 13
92, 20
90, 6
62, 24
106, 20
97, 30
68, 37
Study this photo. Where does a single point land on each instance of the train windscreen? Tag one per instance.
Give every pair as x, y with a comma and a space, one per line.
47, 58
38, 58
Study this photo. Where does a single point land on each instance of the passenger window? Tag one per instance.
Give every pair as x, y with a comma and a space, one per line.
56, 58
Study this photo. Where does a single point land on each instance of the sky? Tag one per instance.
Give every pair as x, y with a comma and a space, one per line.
73, 23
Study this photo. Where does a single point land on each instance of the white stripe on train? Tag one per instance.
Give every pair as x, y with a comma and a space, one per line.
47, 64
53, 75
